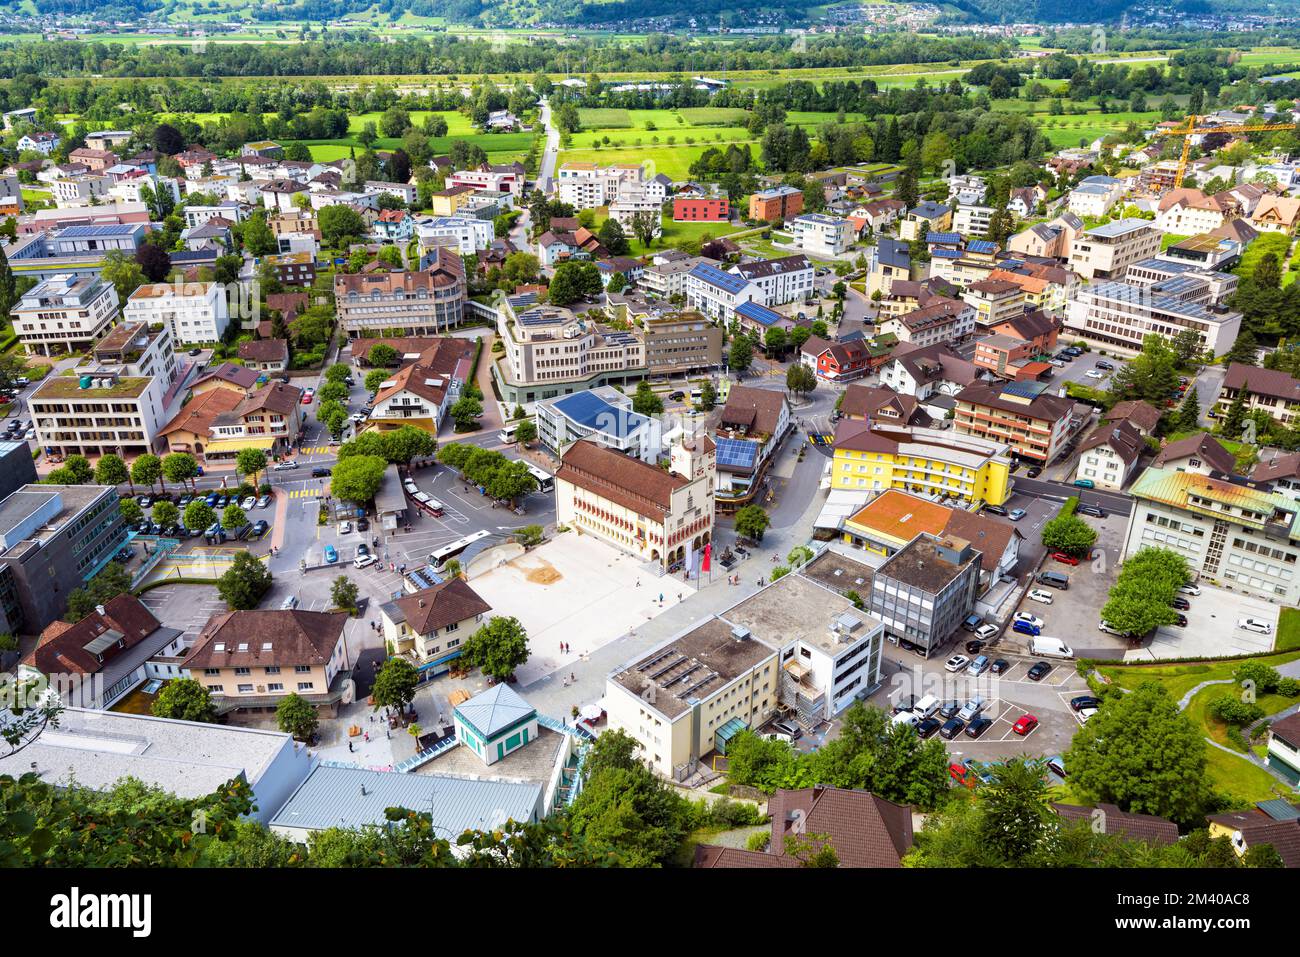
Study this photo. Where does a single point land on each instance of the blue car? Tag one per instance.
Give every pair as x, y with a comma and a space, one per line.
211, 499
331, 556
1025, 628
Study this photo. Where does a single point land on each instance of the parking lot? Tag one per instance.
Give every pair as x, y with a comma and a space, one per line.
1212, 627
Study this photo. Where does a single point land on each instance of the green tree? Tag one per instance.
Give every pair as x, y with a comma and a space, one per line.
741, 355
295, 716
525, 432
131, 510
800, 380
233, 517
357, 478
1140, 752
344, 593
146, 470
180, 467
465, 412
382, 355
166, 513
184, 699
645, 401
244, 582
708, 397
1069, 534
375, 378
1189, 413
199, 515
111, 470
250, 463
498, 648
751, 522
111, 581
394, 686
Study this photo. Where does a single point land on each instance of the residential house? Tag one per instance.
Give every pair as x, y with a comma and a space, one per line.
1203, 454
1109, 455
428, 627
265, 355
1271, 390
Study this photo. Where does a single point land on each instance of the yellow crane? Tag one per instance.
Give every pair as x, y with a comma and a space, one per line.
1191, 129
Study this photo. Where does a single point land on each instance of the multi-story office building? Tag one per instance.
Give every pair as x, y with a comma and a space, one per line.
117, 403
468, 234
250, 660
682, 342
1106, 251
923, 592
421, 303
65, 313
1034, 424
602, 415
1120, 315
53, 539
1233, 532
664, 517
549, 352
936, 463
776, 203
195, 312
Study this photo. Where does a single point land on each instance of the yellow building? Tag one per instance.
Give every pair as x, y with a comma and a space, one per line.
930, 462
449, 201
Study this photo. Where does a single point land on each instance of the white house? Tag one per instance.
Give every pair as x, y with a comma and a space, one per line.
195, 312
822, 235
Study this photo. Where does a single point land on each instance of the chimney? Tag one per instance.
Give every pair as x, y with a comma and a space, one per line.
363, 790
99, 609
421, 602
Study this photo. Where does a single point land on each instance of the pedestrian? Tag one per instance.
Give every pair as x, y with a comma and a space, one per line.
661, 598
350, 748
572, 678
679, 596
367, 737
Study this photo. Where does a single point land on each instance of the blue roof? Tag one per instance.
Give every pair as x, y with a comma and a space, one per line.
98, 232
592, 412
1026, 390
736, 453
758, 313
981, 246
946, 254
716, 277
947, 239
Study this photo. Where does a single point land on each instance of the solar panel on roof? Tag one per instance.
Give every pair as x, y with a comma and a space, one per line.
1027, 390
84, 232
736, 453
943, 237
591, 411
982, 246
946, 253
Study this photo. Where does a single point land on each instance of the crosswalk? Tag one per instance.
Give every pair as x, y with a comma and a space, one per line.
318, 450
304, 493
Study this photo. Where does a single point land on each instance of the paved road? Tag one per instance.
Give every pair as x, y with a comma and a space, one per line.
546, 171
1110, 501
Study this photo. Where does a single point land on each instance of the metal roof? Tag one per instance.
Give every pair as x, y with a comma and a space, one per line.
98, 232
946, 239
350, 797
758, 313
716, 277
494, 710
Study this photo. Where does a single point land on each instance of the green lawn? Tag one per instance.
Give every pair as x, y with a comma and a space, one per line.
673, 161
458, 124
714, 115
604, 119
1288, 630
675, 233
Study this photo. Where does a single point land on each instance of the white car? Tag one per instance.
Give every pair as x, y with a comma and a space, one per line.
345, 528
364, 561
1029, 619
1095, 374
1085, 714
1104, 625
248, 503
1256, 625
1039, 594
357, 417
1190, 589
986, 632
956, 663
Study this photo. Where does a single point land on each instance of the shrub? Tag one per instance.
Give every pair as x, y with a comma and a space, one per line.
1232, 710
1265, 677
1289, 687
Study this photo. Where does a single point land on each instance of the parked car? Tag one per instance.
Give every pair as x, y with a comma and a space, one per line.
956, 663
904, 703
1084, 701
184, 500
1064, 559
995, 510
1084, 483
363, 524
260, 527
1056, 764
973, 646
986, 632
1181, 603
1000, 666
1016, 514
951, 728
345, 528
1025, 628
264, 501
1256, 625
282, 466
1095, 374
145, 501
364, 561
927, 727
1030, 619
1103, 364
977, 726
331, 554
248, 503
677, 395
788, 728
1040, 595
1034, 471
307, 396
1039, 670
1092, 510
1024, 724
972, 622
972, 708
1190, 589
1180, 621
1085, 714
319, 472
949, 709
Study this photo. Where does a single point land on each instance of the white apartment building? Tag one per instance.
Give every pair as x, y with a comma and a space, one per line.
117, 402
967, 190
1095, 195
587, 185
716, 294
972, 220
194, 312
80, 190
822, 235
638, 199
65, 313
403, 191
1119, 315
467, 234
1106, 251
783, 280
667, 279
196, 216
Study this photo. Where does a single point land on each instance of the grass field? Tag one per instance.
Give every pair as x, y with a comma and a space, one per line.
672, 161
605, 119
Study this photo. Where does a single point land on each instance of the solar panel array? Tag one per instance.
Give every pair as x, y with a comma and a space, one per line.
96, 232
538, 317
981, 246
715, 276
945, 238
736, 453
1027, 390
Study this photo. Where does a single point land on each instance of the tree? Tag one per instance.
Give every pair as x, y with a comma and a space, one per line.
751, 522
167, 139
154, 262
498, 648
80, 469
123, 272
130, 509
1069, 534
180, 467
8, 287
244, 582
1189, 413
613, 238
645, 402
112, 580
340, 225
199, 515
1245, 349
146, 469
357, 478
465, 412
250, 462
1140, 752
708, 397
344, 593
295, 716
166, 513
525, 432
741, 355
775, 341
800, 380
184, 699
394, 686
375, 378
233, 517
111, 470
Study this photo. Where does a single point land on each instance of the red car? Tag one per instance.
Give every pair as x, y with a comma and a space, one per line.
307, 397
1065, 559
1025, 724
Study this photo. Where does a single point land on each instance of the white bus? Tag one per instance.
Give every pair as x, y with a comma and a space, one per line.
545, 481
442, 556
508, 435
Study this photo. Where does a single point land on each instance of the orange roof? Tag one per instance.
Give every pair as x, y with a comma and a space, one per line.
198, 414
901, 516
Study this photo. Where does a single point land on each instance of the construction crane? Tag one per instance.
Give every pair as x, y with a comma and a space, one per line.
1191, 129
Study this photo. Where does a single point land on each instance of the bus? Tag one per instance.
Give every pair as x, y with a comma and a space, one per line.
442, 556
508, 435
545, 481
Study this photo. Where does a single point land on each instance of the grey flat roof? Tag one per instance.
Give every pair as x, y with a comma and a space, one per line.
1119, 227
189, 759
24, 502
795, 608
335, 796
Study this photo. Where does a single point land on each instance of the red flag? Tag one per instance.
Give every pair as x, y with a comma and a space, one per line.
708, 550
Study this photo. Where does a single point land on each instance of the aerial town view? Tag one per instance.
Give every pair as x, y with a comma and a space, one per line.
651, 435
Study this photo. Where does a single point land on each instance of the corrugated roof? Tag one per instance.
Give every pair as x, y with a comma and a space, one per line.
494, 710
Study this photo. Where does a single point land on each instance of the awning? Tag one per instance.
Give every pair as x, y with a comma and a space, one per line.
236, 445
722, 737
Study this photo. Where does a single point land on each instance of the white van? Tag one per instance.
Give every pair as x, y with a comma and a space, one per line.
1050, 647
905, 717
926, 706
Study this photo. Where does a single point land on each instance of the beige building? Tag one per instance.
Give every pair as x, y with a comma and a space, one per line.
1035, 425
250, 660
420, 303
681, 342
428, 627
65, 313
1106, 251
662, 517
